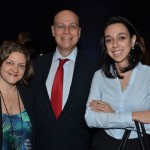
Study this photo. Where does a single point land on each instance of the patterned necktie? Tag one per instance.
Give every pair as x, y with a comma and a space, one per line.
57, 89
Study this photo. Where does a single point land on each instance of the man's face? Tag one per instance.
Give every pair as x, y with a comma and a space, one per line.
66, 30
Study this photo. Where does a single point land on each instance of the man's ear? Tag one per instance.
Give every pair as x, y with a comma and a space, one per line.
53, 32
79, 32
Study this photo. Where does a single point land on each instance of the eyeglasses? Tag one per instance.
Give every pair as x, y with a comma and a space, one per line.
63, 27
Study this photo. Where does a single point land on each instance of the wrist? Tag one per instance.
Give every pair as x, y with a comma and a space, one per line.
135, 116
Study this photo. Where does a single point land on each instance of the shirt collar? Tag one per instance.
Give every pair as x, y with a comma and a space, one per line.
71, 57
139, 66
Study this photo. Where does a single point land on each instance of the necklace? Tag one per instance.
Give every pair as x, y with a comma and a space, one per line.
12, 128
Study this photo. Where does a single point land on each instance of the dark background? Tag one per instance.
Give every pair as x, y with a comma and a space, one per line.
36, 17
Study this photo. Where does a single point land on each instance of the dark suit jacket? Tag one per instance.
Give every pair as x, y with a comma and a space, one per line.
28, 101
70, 131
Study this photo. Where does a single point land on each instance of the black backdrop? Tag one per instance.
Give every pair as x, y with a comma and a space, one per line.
36, 16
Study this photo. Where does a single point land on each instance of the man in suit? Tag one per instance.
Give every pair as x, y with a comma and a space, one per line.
69, 131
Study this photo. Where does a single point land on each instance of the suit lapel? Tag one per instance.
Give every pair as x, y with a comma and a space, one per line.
42, 90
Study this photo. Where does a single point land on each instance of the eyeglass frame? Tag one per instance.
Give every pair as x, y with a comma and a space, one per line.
63, 27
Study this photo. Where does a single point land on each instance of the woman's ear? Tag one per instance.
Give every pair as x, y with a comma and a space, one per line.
133, 40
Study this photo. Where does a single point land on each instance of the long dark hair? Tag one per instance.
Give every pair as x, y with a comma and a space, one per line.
134, 56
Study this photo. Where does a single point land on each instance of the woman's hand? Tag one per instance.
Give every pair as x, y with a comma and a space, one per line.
100, 106
142, 116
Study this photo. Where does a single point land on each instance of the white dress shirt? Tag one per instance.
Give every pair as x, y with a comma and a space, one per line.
68, 73
136, 97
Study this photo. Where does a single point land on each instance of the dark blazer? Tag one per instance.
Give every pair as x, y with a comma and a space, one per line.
28, 102
70, 131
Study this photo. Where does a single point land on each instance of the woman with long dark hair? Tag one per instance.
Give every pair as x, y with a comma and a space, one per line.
120, 90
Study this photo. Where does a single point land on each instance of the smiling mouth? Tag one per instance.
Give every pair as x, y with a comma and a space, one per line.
14, 75
66, 38
117, 52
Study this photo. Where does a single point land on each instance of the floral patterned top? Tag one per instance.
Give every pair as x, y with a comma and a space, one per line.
19, 135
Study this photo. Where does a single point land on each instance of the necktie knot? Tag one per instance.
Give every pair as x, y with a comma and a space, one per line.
62, 61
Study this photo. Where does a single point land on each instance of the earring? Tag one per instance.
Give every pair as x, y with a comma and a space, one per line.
132, 47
